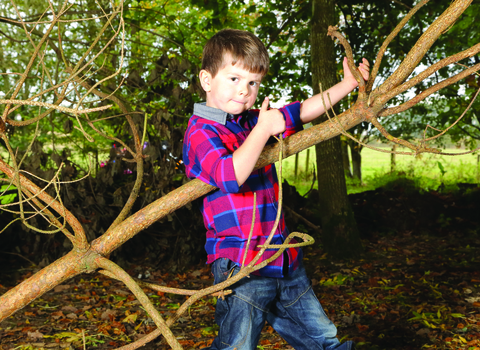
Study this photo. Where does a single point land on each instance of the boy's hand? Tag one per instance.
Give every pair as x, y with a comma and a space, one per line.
270, 120
363, 67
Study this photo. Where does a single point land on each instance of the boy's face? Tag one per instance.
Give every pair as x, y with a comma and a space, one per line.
233, 90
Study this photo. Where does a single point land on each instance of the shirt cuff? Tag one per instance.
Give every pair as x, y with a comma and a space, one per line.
225, 176
291, 113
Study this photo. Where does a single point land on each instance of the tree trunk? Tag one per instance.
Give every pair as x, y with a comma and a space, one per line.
393, 158
355, 152
340, 234
346, 161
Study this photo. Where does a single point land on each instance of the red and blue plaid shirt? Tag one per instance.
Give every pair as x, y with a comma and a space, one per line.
210, 139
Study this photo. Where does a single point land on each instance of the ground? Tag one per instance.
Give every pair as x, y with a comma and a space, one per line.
417, 285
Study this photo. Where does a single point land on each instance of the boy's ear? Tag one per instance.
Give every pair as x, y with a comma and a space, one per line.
205, 79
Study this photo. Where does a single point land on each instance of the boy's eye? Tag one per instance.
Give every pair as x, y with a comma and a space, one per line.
253, 83
234, 79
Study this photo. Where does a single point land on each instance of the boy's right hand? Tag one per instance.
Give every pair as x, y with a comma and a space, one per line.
270, 120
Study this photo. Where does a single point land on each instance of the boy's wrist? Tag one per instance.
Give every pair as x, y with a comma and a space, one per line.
261, 131
351, 83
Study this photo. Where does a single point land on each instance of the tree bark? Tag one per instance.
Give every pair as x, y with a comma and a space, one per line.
340, 234
355, 152
346, 161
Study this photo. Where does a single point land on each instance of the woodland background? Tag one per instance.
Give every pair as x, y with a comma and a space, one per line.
162, 57
158, 57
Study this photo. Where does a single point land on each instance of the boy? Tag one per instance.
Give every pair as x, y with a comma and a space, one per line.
222, 144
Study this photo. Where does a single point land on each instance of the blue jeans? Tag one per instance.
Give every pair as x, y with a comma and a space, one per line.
288, 304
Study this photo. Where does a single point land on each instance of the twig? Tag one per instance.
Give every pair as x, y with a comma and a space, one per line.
456, 121
164, 289
472, 51
307, 222
26, 184
142, 297
401, 3
387, 41
30, 63
20, 255
333, 32
426, 40
424, 94
251, 227
53, 106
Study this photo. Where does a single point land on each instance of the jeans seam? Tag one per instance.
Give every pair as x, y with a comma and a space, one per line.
220, 333
246, 335
302, 294
249, 302
305, 334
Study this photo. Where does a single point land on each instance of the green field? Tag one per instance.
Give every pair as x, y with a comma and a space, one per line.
424, 169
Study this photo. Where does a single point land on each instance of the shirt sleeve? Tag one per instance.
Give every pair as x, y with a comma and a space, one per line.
293, 123
207, 159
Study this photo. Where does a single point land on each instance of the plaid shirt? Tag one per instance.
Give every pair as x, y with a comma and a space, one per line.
210, 139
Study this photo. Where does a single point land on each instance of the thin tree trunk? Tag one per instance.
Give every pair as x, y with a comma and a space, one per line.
355, 152
340, 234
393, 158
346, 161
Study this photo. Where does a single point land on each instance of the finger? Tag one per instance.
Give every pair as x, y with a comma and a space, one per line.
365, 72
264, 107
365, 62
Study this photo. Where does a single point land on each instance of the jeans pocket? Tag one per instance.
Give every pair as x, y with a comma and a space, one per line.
222, 269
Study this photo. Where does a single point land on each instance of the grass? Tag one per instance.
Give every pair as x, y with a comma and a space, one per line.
429, 171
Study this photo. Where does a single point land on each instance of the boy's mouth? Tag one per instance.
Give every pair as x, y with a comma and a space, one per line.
242, 103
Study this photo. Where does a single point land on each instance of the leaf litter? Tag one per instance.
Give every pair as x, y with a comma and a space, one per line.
414, 288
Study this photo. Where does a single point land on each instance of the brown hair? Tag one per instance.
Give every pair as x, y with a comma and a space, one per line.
242, 45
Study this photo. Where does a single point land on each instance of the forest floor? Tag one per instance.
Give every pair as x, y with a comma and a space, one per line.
416, 286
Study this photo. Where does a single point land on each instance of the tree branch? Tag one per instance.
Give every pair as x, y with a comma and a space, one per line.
429, 91
429, 71
423, 44
46, 198
333, 32
388, 40
142, 298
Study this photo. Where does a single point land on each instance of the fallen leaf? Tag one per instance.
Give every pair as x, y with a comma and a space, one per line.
35, 335
109, 314
423, 331
61, 288
362, 328
69, 308
130, 318
57, 314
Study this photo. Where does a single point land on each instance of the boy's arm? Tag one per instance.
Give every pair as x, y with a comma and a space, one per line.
270, 122
314, 106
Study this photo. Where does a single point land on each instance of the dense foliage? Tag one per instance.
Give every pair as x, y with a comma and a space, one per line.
158, 66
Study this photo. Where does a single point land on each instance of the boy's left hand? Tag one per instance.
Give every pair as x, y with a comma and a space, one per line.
363, 67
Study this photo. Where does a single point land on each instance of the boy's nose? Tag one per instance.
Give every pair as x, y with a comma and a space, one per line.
244, 90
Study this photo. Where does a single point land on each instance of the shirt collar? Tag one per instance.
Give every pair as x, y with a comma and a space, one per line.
210, 113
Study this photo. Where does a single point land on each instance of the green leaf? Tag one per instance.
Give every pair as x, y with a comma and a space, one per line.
7, 198
441, 168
